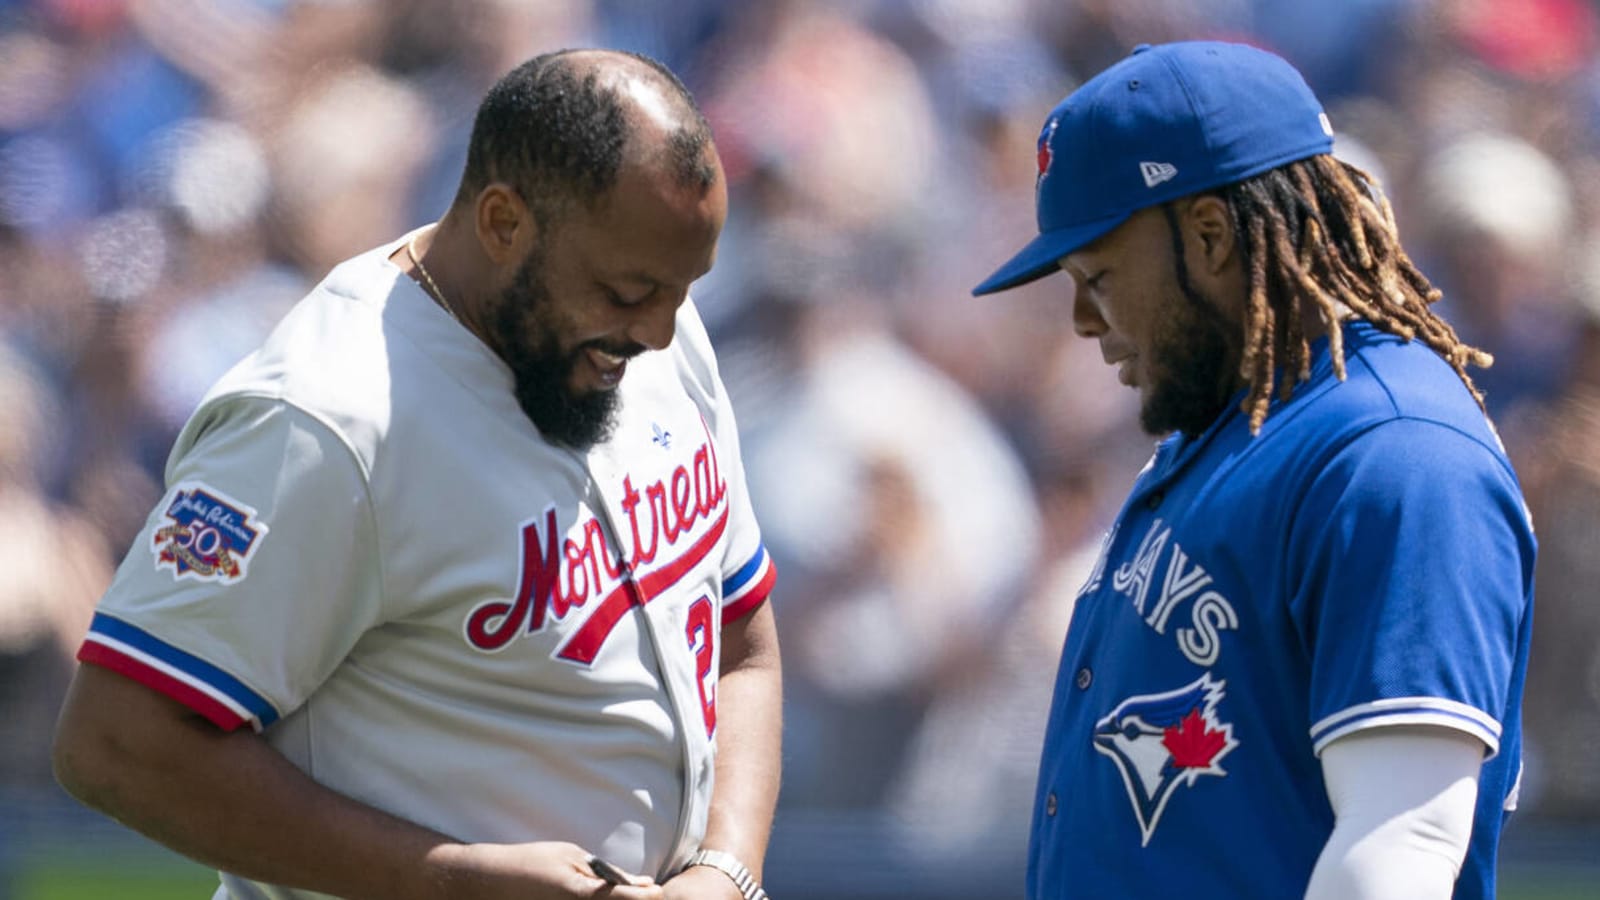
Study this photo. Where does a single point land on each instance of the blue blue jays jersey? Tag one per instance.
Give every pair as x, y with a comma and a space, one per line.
1365, 561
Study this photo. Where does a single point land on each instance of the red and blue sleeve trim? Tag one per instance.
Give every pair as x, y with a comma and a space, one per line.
748, 588
156, 664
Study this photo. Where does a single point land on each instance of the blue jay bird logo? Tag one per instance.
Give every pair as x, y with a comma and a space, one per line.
1161, 741
662, 438
1046, 155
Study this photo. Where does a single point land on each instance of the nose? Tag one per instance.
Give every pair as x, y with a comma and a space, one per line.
657, 319
1086, 318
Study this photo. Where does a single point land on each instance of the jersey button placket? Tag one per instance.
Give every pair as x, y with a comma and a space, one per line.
1050, 804
1084, 679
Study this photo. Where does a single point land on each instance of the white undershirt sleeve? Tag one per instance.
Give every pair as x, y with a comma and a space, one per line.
1403, 801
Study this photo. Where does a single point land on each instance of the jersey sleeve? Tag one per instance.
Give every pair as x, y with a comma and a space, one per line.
1411, 565
748, 573
254, 575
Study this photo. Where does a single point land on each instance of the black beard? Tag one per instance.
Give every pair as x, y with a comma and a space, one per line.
1194, 372
542, 371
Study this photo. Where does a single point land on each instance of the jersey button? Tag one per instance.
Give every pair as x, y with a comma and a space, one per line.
1050, 804
1085, 678
1154, 500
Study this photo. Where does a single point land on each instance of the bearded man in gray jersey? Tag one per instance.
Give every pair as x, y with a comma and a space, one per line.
494, 615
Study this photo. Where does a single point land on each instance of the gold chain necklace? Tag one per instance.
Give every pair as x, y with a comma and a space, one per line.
433, 286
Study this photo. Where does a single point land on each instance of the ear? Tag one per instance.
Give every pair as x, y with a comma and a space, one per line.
505, 225
1210, 225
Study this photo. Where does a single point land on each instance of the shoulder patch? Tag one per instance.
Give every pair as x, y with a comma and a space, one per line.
206, 535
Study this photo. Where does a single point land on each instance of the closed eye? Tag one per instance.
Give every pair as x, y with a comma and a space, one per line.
619, 300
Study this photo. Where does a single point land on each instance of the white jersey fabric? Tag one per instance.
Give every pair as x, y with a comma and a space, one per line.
368, 553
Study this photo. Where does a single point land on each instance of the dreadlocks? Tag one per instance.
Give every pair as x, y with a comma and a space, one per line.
1317, 231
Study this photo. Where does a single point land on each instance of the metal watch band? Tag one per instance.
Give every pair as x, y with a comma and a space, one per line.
729, 865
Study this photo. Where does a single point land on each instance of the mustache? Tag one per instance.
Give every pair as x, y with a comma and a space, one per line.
622, 349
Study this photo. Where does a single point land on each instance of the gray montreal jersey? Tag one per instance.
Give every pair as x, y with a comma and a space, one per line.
367, 553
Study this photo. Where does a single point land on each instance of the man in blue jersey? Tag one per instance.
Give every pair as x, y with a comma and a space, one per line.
1297, 668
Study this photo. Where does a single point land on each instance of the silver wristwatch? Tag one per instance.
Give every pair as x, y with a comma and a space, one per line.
729, 865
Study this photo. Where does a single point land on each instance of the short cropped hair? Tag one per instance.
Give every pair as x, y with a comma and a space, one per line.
550, 129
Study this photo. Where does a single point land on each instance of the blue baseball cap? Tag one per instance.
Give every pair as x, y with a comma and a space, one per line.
1167, 121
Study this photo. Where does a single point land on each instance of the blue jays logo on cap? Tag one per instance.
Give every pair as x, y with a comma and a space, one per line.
210, 536
1045, 154
1165, 122
1162, 741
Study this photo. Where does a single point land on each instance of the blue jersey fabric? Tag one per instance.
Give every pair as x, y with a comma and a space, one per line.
1366, 560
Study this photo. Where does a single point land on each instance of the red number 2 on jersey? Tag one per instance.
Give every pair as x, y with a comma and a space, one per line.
702, 634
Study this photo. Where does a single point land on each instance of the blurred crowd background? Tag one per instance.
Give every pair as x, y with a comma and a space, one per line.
933, 472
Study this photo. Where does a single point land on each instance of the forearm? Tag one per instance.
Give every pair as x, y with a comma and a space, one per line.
229, 800
749, 740
1403, 801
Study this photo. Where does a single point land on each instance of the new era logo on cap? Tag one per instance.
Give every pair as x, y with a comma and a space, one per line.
1154, 172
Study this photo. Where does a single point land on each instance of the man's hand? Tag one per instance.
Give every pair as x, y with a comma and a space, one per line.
548, 870
701, 883
157, 767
